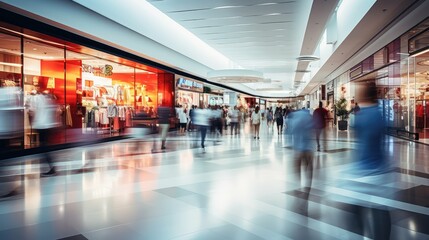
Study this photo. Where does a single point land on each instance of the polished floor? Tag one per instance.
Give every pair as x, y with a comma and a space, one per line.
237, 188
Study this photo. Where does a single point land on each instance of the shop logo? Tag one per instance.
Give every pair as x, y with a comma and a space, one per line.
101, 71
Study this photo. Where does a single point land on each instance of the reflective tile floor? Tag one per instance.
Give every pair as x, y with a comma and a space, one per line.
237, 188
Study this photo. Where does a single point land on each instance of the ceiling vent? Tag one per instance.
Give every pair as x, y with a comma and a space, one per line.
308, 58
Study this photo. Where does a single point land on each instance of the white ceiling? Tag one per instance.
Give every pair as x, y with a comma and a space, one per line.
261, 35
268, 36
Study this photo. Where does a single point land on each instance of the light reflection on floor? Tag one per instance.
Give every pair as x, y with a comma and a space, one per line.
238, 188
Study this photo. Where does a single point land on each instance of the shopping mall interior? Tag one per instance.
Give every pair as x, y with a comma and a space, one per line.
244, 119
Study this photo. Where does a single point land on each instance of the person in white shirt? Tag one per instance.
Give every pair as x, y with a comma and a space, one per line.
182, 119
46, 122
202, 120
256, 121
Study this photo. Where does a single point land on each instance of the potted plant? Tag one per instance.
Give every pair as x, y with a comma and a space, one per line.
342, 113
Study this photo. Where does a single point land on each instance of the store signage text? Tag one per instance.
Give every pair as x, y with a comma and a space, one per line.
101, 71
189, 84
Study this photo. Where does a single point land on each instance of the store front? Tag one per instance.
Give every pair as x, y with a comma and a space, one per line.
95, 94
213, 100
400, 71
188, 93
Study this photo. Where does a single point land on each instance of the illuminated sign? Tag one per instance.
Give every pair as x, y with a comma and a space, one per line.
184, 83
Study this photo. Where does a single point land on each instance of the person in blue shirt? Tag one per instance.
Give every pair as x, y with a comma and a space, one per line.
370, 161
301, 127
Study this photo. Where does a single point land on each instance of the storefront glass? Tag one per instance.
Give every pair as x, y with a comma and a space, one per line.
419, 96
189, 93
93, 94
44, 73
11, 97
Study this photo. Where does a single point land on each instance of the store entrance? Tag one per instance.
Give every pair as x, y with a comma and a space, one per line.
419, 87
422, 114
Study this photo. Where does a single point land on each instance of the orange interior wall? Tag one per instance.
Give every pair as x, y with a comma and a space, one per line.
150, 80
56, 69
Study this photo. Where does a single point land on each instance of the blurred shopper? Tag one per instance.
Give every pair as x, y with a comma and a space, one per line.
46, 121
164, 124
234, 116
301, 127
370, 163
225, 117
355, 109
202, 120
188, 118
11, 127
11, 116
183, 120
270, 117
256, 121
278, 115
319, 121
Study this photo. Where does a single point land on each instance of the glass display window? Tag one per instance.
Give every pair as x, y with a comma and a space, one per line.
93, 92
11, 98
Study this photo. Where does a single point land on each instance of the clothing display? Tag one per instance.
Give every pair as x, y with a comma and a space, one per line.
114, 118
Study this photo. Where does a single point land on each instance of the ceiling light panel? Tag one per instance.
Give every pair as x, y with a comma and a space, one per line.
255, 34
274, 15
171, 6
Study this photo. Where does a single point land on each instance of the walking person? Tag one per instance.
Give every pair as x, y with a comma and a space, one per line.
371, 161
270, 117
202, 120
319, 121
183, 120
256, 121
278, 115
11, 119
46, 121
234, 116
301, 129
164, 124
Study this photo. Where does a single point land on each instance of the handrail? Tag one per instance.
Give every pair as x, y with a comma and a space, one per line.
403, 133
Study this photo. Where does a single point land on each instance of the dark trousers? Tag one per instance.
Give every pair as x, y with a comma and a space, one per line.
44, 135
304, 159
203, 131
234, 126
318, 132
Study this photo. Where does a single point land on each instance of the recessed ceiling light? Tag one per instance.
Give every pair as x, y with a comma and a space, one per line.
35, 49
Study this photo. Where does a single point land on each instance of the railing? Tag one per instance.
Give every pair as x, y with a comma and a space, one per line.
403, 133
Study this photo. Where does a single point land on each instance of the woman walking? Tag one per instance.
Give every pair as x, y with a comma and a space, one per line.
256, 121
279, 119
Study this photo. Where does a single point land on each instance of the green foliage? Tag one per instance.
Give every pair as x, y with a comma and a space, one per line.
341, 108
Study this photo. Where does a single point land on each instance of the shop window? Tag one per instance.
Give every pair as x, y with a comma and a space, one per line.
11, 116
44, 78
146, 92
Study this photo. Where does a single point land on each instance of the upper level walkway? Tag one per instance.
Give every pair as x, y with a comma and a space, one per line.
237, 188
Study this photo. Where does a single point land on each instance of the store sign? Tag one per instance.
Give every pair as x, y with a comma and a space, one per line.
184, 83
100, 71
